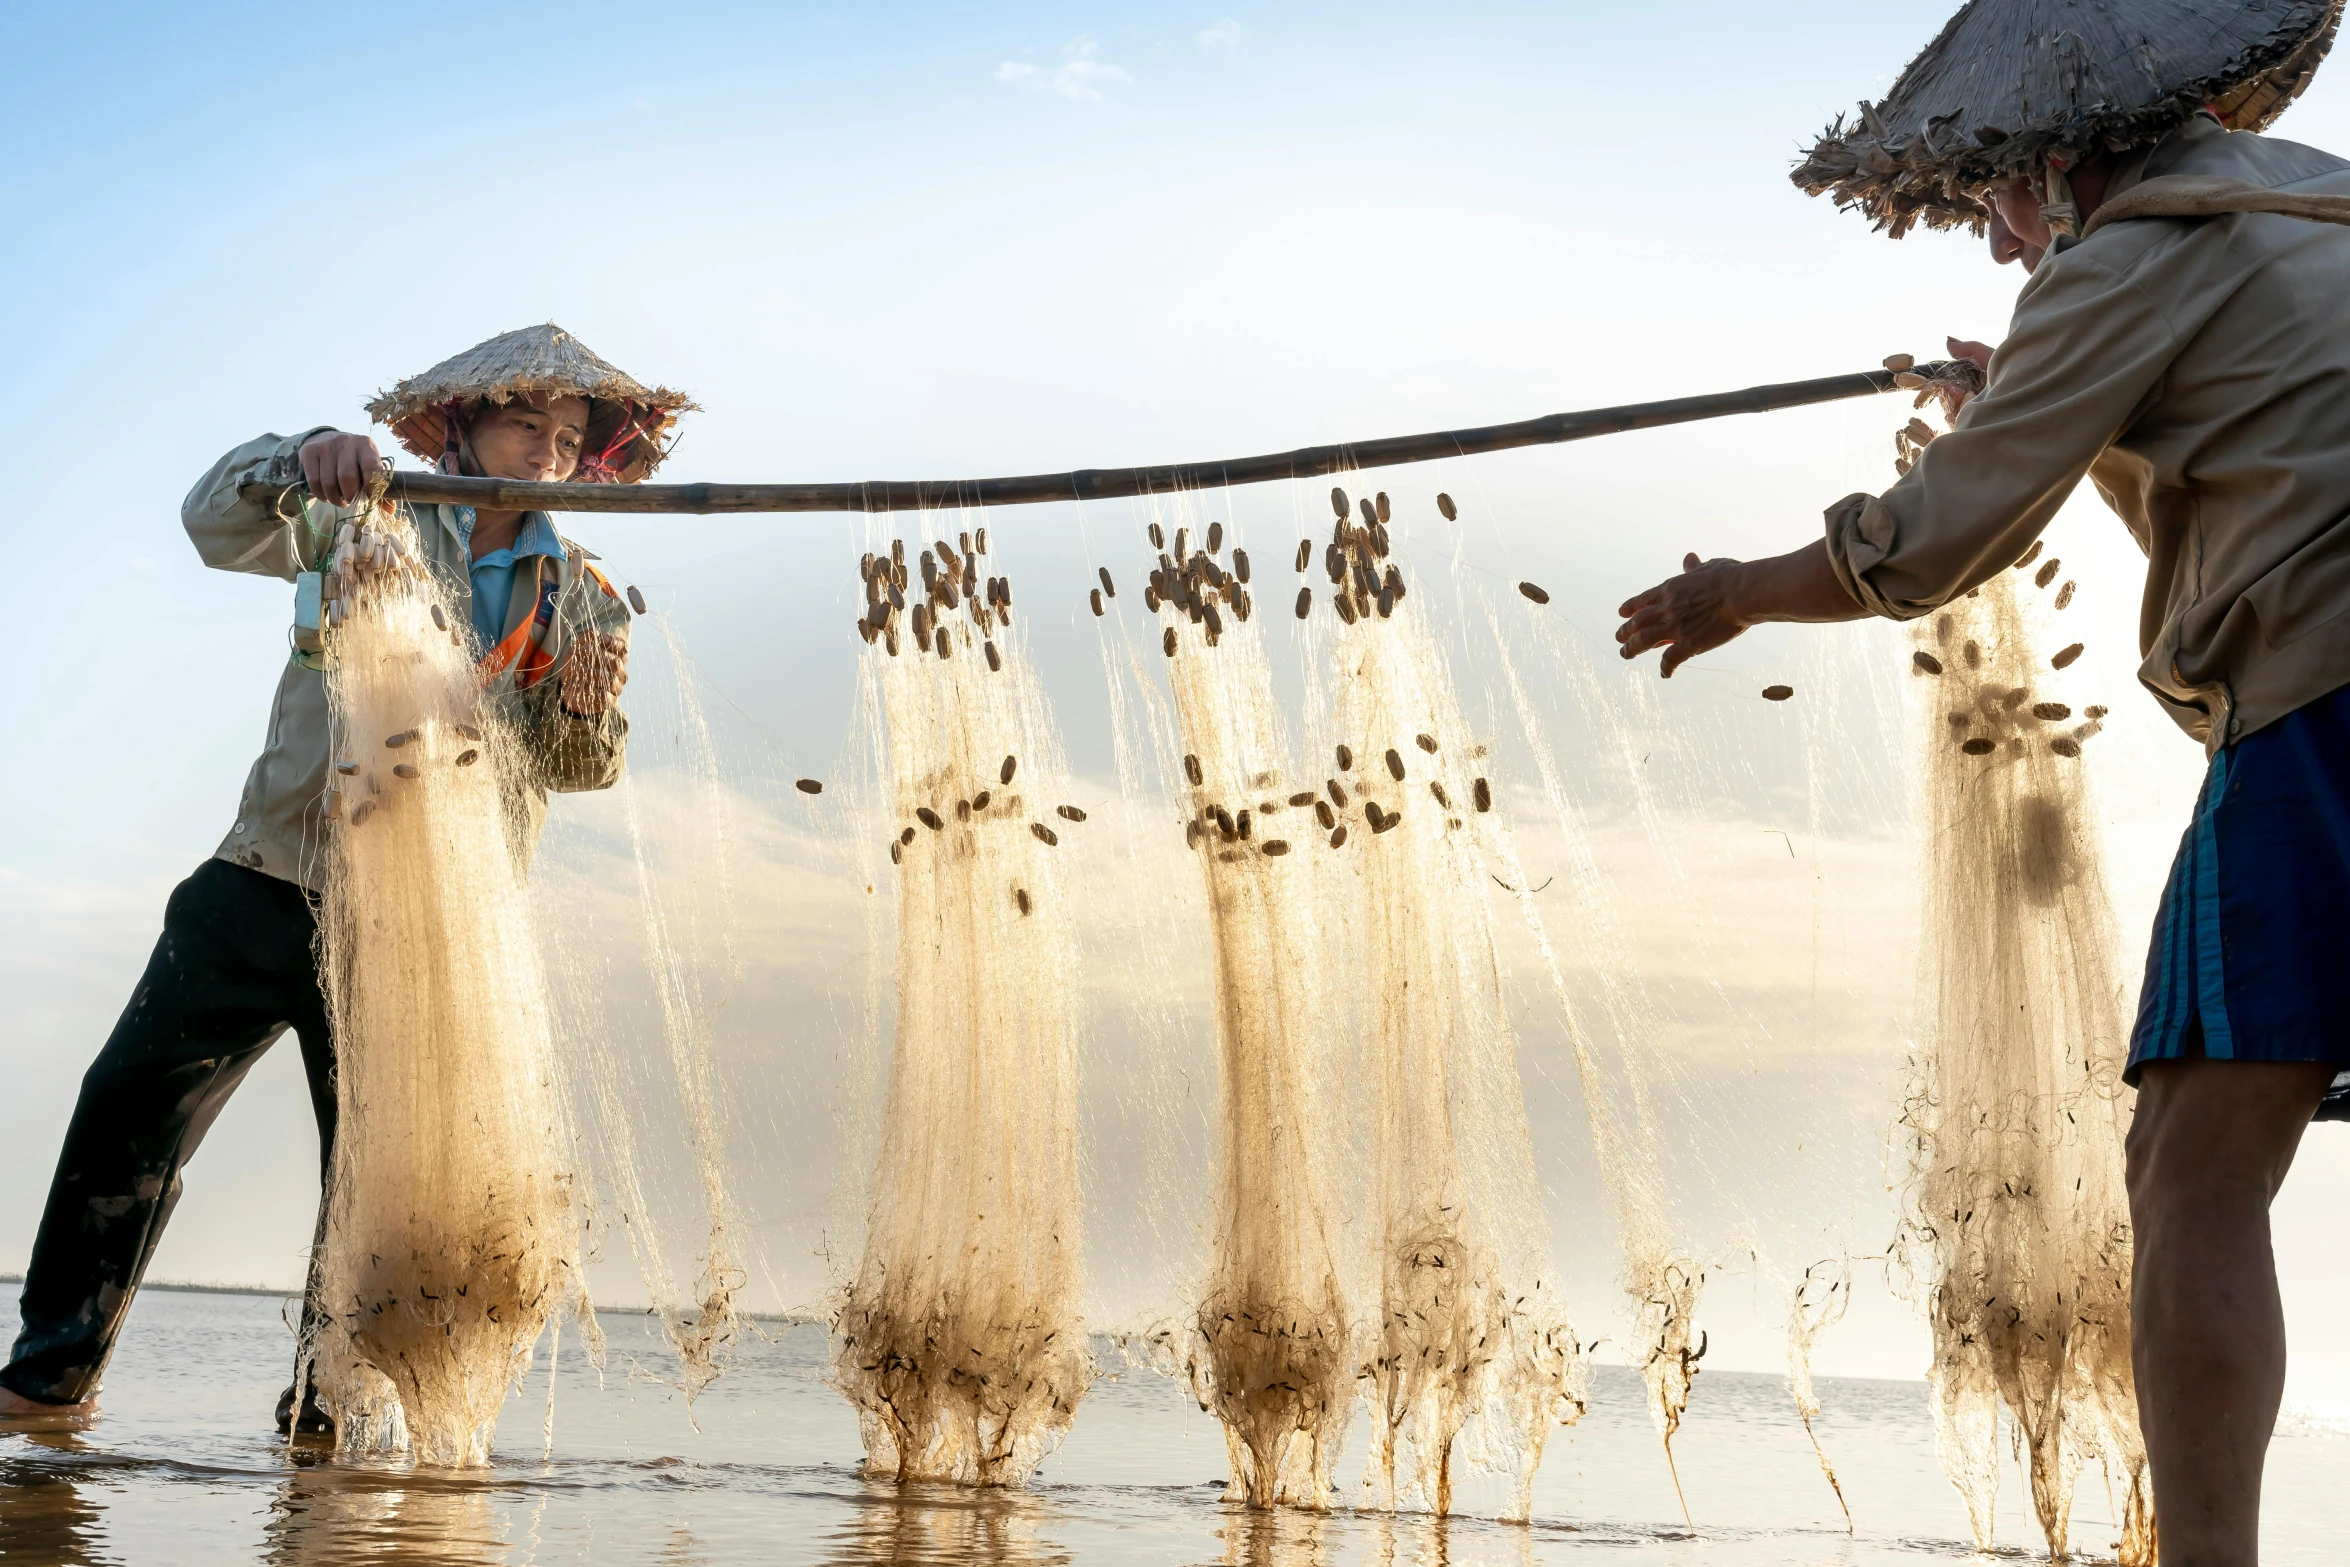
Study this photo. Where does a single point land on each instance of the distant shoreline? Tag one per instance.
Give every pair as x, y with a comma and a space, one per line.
182, 1287
2328, 1418
186, 1289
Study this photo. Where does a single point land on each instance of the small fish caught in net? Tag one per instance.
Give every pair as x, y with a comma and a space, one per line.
451, 1239
2016, 1233
1470, 1355
1656, 1271
960, 1342
1360, 1211
1817, 1303
1268, 1351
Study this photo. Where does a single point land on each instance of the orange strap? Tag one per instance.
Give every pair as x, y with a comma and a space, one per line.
531, 661
494, 662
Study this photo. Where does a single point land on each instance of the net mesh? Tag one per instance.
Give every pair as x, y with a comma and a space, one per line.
451, 1237
960, 1341
2016, 1226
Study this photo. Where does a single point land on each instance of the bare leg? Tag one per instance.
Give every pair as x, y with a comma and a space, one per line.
2208, 1149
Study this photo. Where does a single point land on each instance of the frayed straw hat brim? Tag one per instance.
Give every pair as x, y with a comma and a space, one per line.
2010, 81
538, 361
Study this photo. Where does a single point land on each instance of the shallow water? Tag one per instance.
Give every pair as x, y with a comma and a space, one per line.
183, 1470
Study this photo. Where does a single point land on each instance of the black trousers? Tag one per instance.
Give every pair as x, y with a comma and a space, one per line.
236, 966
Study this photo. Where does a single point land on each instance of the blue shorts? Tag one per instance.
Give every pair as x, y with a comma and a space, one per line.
2251, 953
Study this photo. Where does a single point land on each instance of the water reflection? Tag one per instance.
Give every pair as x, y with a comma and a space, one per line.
915, 1524
183, 1470
1298, 1539
326, 1514
681, 1549
44, 1517
1275, 1539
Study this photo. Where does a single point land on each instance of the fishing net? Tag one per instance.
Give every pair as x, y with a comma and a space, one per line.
1310, 1070
960, 1341
1469, 1352
710, 970
1373, 1215
645, 963
451, 1234
2016, 1226
1268, 1348
1662, 1281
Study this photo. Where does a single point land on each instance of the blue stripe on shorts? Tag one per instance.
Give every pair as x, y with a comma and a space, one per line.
2251, 953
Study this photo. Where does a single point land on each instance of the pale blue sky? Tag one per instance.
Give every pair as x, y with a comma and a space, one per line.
900, 240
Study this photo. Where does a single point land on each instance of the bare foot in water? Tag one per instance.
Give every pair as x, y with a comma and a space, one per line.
18, 1413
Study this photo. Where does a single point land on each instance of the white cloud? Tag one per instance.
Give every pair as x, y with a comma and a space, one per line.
1224, 33
1079, 77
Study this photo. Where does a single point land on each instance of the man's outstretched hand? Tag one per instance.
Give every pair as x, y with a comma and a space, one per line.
1712, 601
1686, 615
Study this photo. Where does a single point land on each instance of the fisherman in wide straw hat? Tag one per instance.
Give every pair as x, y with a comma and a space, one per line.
236, 965
2184, 340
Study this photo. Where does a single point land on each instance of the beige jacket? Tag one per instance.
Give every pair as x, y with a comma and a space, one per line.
250, 514
2198, 370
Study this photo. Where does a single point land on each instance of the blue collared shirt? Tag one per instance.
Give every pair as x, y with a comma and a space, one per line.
493, 574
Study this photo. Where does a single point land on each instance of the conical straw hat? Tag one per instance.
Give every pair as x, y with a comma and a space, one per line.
2010, 81
626, 419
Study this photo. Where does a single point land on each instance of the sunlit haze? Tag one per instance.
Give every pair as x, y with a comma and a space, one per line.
903, 241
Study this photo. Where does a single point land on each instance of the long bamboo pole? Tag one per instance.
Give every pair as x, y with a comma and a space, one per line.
1090, 484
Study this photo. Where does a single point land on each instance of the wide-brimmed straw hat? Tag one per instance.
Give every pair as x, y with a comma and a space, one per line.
2015, 88
627, 420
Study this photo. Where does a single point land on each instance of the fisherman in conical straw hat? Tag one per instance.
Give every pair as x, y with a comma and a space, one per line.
236, 965
2183, 339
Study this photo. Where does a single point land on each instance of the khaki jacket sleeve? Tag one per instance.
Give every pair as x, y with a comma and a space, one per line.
2086, 352
238, 515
